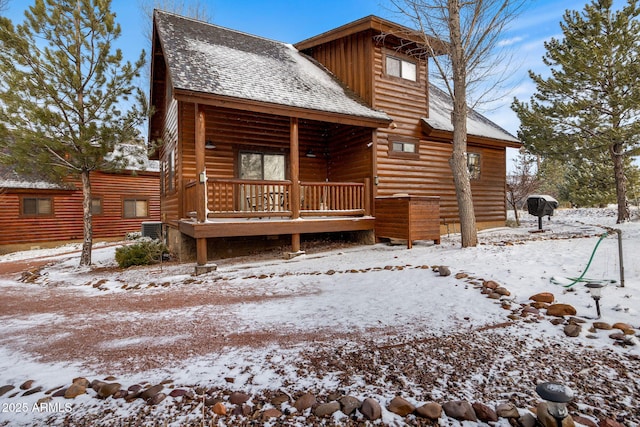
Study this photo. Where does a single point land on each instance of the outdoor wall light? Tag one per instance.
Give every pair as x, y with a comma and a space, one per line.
557, 396
310, 153
209, 145
595, 289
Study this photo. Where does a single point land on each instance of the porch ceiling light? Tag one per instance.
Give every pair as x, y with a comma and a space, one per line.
310, 153
209, 145
557, 396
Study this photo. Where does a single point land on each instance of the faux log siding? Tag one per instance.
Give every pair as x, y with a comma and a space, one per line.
66, 222
169, 201
350, 158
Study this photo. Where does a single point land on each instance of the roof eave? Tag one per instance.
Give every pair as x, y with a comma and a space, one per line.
447, 135
279, 109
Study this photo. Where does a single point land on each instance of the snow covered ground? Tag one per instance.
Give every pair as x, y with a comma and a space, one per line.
273, 324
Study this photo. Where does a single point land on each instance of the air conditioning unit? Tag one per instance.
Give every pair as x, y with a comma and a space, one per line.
152, 229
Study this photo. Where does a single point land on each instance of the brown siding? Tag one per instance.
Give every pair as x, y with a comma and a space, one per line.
66, 221
428, 174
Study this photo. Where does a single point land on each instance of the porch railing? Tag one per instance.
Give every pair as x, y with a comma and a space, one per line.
256, 198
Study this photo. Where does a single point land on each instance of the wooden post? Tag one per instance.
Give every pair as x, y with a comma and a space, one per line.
294, 162
201, 251
201, 178
367, 196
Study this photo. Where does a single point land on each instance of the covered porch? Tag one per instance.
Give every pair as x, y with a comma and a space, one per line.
317, 182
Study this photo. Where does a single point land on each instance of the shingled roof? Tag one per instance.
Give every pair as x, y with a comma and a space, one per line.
440, 108
217, 61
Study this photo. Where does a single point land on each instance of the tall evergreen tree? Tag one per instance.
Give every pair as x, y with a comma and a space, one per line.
67, 97
590, 104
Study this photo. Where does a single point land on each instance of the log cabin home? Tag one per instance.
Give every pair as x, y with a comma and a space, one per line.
35, 212
338, 133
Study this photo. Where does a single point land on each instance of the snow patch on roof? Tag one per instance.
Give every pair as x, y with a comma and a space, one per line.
210, 59
440, 108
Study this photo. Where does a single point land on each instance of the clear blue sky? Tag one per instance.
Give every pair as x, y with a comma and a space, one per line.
292, 21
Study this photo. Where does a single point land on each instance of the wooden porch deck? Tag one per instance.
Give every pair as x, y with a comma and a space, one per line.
236, 227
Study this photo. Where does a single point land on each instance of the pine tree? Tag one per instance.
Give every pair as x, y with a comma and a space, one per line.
67, 97
590, 104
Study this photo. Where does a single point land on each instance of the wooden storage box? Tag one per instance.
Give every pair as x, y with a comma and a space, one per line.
408, 217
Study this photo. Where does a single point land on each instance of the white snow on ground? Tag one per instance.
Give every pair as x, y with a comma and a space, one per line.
352, 290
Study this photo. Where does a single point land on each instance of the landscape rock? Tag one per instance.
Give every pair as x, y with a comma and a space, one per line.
527, 420
32, 390
178, 392
546, 420
444, 270
326, 409
6, 388
584, 421
608, 422
27, 385
241, 411
484, 412
371, 409
491, 284
624, 327
219, 409
279, 399
430, 410
544, 297
572, 330
400, 406
602, 325
305, 401
348, 404
270, 413
503, 291
561, 310
238, 398
75, 390
460, 410
82, 381
156, 398
507, 410
151, 391
108, 389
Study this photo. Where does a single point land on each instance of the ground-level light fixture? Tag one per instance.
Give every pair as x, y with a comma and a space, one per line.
557, 396
595, 289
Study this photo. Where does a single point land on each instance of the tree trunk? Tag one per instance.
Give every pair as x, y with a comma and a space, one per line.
85, 256
458, 161
621, 183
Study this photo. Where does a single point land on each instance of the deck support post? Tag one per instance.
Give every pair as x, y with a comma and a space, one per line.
294, 173
201, 168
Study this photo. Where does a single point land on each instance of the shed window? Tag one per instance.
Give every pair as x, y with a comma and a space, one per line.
473, 163
36, 206
402, 68
135, 208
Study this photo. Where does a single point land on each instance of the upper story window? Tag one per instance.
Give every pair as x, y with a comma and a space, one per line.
403, 68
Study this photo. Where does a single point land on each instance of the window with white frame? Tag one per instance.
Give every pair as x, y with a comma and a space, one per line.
403, 68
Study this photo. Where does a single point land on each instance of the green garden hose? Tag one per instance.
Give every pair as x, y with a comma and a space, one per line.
575, 280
